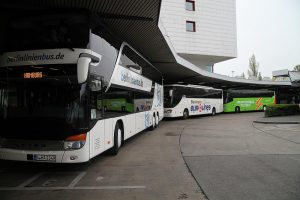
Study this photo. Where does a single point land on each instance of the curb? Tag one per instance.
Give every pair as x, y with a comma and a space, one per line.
261, 122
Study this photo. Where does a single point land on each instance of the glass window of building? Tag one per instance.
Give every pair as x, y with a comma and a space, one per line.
190, 26
190, 5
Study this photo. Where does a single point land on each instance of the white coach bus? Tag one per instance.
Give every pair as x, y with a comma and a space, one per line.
70, 89
187, 100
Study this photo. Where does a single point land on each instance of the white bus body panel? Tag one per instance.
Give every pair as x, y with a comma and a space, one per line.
97, 139
129, 126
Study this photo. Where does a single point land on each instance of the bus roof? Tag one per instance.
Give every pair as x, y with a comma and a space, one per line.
248, 91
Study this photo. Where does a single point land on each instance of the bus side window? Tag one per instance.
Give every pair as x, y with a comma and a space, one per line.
229, 99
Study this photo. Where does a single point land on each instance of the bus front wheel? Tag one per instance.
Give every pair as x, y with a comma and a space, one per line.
117, 140
264, 108
185, 114
237, 109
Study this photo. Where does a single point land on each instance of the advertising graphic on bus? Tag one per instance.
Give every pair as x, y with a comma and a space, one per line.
248, 100
70, 89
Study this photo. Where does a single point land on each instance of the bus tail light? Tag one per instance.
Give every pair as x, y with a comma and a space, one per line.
75, 142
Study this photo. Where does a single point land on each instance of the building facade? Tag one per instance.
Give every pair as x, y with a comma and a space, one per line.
201, 31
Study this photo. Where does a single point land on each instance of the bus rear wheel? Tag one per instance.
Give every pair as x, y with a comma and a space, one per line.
213, 113
117, 140
185, 114
153, 126
157, 119
237, 109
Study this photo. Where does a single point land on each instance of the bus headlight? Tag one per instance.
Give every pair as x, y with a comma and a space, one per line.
73, 145
75, 142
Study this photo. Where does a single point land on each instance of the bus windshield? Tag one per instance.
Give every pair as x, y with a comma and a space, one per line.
47, 31
46, 101
171, 99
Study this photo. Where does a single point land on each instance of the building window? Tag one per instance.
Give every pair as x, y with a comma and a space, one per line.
190, 26
190, 5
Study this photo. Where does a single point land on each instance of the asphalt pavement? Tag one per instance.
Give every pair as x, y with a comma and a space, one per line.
290, 119
233, 158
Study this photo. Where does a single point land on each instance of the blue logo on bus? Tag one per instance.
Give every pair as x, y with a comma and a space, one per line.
200, 107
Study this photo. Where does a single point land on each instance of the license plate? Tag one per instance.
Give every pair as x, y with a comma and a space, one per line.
39, 157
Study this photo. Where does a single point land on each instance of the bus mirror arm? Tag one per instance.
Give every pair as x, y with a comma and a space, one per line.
83, 69
171, 93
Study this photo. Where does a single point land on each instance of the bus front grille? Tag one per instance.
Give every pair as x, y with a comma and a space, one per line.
36, 145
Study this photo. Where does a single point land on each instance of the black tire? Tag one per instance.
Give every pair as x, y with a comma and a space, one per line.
185, 114
123, 109
237, 109
151, 128
157, 119
213, 113
117, 140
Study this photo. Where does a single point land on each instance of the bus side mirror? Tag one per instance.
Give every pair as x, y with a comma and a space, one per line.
95, 83
170, 93
83, 69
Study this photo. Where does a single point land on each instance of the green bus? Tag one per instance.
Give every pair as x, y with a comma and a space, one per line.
117, 101
248, 100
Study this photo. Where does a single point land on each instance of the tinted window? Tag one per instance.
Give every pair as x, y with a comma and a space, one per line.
190, 26
189, 5
35, 98
249, 93
131, 60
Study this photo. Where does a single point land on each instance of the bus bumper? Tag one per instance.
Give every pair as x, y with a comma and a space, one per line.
71, 156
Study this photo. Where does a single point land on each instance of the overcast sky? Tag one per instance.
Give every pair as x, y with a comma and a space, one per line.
269, 29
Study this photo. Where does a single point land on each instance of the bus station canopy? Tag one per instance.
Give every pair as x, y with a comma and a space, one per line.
137, 22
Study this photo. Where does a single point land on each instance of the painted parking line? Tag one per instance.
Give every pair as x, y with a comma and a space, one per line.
25, 186
77, 179
30, 180
71, 188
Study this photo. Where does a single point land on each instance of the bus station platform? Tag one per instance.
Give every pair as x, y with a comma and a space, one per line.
291, 119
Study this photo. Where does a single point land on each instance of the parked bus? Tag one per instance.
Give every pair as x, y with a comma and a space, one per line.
186, 100
248, 100
70, 89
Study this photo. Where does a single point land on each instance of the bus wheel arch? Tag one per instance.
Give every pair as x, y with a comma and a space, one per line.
118, 137
185, 114
157, 118
153, 126
264, 107
237, 109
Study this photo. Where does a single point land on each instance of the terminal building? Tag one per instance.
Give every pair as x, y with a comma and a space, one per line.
202, 32
183, 39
